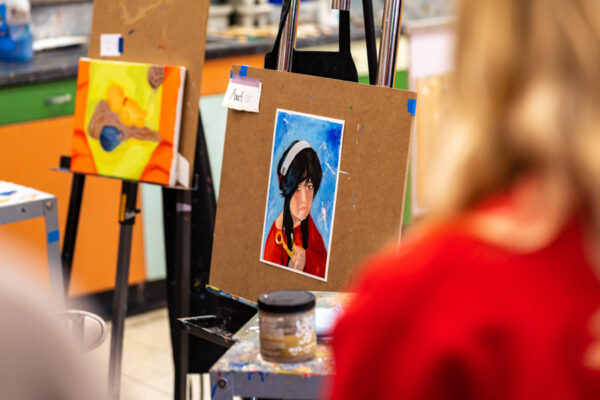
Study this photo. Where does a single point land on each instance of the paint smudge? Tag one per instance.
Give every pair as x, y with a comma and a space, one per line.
329, 168
323, 216
140, 11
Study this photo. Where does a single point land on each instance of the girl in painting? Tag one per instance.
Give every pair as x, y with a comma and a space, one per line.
293, 239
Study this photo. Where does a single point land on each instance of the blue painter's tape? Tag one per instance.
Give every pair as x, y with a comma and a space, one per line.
53, 236
121, 45
244, 70
230, 74
411, 106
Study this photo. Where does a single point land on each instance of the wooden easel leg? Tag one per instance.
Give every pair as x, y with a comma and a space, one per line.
71, 229
127, 214
182, 286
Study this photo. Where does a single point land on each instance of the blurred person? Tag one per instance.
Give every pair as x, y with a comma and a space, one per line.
39, 359
497, 295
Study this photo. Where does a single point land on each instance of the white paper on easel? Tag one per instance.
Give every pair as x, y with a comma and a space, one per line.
183, 171
111, 45
243, 96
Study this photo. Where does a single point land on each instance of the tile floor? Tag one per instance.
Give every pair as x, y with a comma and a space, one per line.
147, 371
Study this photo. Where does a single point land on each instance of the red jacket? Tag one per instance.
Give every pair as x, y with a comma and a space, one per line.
453, 317
316, 253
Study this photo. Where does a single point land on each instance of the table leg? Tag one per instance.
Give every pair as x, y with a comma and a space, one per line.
119, 310
221, 386
53, 248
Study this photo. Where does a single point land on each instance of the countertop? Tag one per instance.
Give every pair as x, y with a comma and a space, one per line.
62, 63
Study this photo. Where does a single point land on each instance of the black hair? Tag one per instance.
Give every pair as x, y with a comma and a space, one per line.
305, 166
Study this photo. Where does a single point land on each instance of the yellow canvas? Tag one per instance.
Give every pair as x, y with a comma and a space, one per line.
127, 119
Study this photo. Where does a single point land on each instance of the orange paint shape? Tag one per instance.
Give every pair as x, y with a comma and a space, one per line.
159, 165
168, 112
81, 154
155, 171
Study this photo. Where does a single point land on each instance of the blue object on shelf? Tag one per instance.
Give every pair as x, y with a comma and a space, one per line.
16, 41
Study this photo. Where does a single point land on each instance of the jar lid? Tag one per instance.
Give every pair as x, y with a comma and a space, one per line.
286, 301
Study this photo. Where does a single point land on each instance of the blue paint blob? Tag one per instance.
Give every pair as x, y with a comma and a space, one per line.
110, 137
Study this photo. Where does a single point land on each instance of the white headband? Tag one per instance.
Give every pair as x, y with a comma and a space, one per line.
296, 148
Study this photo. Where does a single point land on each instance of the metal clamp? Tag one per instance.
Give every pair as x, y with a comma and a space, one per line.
342, 5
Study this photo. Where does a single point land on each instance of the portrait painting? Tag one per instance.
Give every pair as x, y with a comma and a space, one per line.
301, 196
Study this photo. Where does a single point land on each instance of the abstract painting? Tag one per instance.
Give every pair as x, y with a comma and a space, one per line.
303, 180
127, 120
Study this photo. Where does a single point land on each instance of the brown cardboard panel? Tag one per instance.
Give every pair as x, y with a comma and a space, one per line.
162, 32
370, 193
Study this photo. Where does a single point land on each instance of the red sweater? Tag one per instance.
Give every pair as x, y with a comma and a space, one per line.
453, 317
316, 254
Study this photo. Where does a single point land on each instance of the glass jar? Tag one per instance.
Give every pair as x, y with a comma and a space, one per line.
287, 326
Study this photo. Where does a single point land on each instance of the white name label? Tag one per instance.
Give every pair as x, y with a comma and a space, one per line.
243, 96
111, 45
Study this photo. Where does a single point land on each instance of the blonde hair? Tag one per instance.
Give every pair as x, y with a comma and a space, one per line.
527, 98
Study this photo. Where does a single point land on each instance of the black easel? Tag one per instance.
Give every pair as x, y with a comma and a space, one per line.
193, 221
127, 214
77, 184
220, 314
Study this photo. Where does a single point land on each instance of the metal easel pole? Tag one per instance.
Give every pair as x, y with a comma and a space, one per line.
371, 40
288, 38
127, 213
388, 49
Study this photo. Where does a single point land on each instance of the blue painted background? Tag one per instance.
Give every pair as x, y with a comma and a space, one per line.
325, 137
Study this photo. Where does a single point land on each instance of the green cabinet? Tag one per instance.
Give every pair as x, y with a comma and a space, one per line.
27, 102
